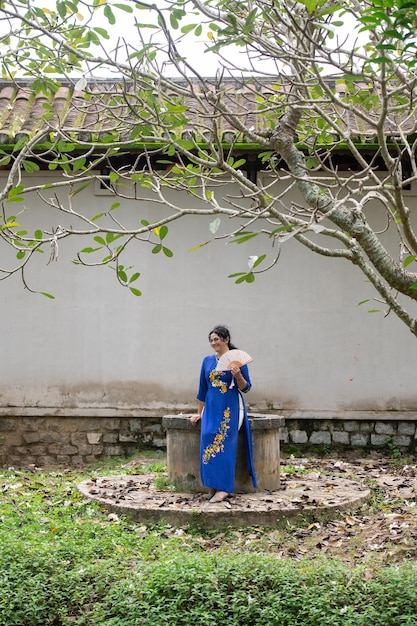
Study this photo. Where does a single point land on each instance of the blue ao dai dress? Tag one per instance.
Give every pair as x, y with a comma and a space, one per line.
223, 414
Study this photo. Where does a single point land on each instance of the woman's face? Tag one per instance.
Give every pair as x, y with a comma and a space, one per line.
219, 345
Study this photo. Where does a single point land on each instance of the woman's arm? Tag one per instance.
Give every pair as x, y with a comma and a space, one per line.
195, 418
242, 383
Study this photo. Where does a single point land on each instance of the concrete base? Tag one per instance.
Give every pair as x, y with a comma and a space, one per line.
183, 459
303, 499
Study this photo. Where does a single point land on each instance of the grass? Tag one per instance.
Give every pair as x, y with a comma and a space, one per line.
65, 561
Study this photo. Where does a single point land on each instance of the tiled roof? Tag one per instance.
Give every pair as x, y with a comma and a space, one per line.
103, 108
108, 109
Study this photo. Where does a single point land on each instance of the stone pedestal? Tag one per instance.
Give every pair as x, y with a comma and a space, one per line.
183, 453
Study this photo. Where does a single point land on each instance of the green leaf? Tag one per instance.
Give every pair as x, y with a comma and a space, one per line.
88, 250
122, 275
310, 5
124, 7
157, 249
187, 28
78, 164
409, 260
97, 217
163, 232
102, 32
109, 14
167, 252
134, 277
239, 163
38, 234
30, 167
135, 292
243, 237
259, 260
100, 240
47, 295
80, 188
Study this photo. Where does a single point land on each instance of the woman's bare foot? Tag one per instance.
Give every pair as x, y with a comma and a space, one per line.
219, 496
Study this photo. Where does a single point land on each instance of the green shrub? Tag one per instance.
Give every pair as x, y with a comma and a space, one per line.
204, 590
65, 561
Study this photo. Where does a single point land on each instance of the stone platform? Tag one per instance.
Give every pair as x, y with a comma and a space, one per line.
308, 498
183, 459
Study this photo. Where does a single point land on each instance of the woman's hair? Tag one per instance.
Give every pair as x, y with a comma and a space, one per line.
224, 334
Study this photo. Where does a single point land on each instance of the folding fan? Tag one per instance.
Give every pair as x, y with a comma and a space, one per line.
233, 357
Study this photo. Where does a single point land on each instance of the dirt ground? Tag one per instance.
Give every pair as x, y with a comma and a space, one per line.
356, 509
381, 530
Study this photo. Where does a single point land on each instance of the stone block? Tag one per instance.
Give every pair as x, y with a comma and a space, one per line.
151, 428
159, 442
406, 428
110, 438
37, 450
127, 438
94, 438
384, 428
402, 442
13, 439
284, 435
341, 437
54, 437
320, 437
78, 439
67, 425
366, 427
135, 425
63, 459
66, 449
83, 448
42, 461
298, 436
378, 440
31, 437
359, 439
351, 426
31, 423
114, 450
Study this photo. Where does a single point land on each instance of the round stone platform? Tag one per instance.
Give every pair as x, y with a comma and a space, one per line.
300, 499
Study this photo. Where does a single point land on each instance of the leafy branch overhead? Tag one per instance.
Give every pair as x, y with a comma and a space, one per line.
305, 133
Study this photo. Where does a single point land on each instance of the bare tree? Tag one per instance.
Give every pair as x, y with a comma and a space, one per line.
322, 98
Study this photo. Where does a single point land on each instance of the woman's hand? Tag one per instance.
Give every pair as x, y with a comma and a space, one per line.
235, 370
195, 418
237, 374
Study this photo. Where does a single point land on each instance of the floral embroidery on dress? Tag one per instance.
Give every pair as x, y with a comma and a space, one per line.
216, 382
218, 445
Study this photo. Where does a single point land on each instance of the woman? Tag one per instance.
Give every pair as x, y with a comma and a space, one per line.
222, 412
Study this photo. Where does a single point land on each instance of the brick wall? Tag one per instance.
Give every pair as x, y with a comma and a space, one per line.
71, 440
45, 441
353, 429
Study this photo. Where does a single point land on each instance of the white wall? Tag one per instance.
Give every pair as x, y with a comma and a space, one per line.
97, 345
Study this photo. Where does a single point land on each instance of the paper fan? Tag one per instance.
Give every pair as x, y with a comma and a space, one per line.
237, 357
